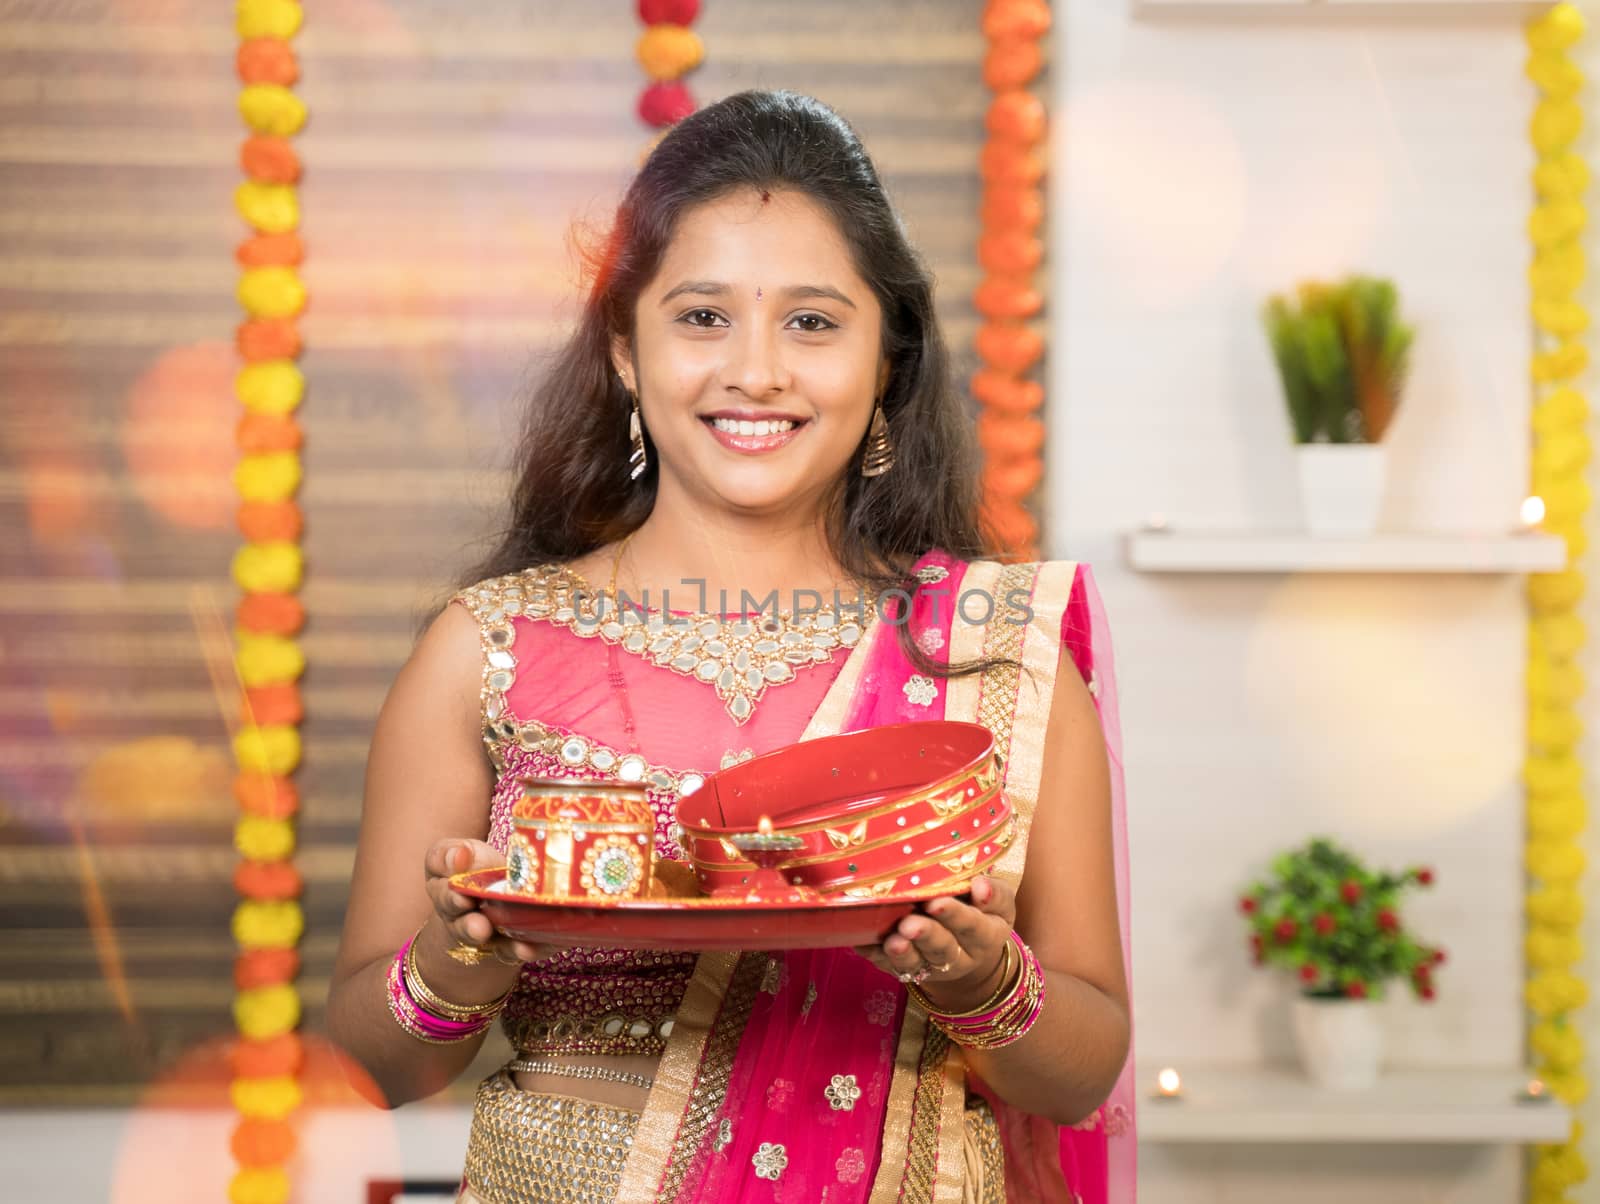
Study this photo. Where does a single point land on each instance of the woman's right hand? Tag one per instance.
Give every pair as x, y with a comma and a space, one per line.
463, 922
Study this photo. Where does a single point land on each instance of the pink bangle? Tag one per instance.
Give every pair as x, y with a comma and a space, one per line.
1010, 1020
420, 1023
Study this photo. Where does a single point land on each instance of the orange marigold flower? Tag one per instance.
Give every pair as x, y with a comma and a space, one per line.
270, 250
268, 339
267, 1058
270, 522
271, 882
267, 61
278, 703
257, 1141
265, 795
269, 159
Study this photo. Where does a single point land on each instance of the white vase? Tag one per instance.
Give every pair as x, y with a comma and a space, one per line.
1341, 486
1340, 1041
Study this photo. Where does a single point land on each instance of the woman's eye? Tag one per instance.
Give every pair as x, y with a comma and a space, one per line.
823, 323
696, 313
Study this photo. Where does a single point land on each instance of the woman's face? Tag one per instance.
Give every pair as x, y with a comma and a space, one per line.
758, 355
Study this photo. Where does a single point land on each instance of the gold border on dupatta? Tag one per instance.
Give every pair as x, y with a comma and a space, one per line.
927, 1166
711, 1019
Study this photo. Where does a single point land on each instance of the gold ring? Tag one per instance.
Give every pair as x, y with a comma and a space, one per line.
468, 954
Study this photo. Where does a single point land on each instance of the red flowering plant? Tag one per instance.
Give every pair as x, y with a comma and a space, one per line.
1336, 924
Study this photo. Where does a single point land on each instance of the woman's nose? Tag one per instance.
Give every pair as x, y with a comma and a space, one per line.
757, 367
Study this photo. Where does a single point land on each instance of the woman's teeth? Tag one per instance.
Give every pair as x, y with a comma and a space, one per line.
765, 427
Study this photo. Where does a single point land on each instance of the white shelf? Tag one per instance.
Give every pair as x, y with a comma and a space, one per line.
1278, 1104
1171, 551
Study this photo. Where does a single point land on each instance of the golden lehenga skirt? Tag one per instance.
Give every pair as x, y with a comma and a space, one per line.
526, 1147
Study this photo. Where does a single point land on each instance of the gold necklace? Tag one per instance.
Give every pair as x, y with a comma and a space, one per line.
739, 656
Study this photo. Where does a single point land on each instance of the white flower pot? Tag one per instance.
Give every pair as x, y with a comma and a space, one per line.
1340, 1041
1341, 486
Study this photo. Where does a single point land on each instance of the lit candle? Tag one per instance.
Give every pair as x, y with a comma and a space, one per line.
1535, 1092
1168, 1084
764, 825
1532, 512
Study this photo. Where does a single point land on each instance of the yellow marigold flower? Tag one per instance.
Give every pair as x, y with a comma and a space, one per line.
268, 568
270, 1098
1561, 318
1556, 29
263, 1012
1554, 992
1568, 500
1560, 411
1552, 1171
267, 18
266, 660
271, 292
271, 749
1556, 125
668, 51
1558, 1044
267, 476
259, 1185
1563, 177
1556, 906
261, 839
1559, 774
1555, 591
270, 208
1571, 1089
1556, 223
1557, 816
1552, 949
1557, 271
272, 109
1567, 361
268, 923
1554, 74
270, 386
1555, 860
1553, 683
1556, 729
1557, 635
1562, 454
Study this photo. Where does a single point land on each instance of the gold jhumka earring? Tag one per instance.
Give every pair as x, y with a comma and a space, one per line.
637, 460
879, 456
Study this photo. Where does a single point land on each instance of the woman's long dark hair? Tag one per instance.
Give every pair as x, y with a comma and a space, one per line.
572, 493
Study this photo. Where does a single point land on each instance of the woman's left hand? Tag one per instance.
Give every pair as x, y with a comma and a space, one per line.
956, 948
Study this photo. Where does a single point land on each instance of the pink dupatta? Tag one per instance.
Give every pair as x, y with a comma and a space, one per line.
805, 1076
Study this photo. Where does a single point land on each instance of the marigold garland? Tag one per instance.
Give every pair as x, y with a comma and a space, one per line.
667, 51
1553, 773
268, 567
1009, 250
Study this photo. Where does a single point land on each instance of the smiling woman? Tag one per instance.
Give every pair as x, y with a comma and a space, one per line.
757, 398
762, 402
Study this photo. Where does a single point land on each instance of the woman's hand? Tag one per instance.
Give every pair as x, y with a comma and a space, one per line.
464, 924
958, 949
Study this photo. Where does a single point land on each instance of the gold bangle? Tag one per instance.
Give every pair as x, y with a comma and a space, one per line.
1007, 985
1017, 1017
444, 1008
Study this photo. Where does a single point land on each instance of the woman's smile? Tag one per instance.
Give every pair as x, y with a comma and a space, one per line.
749, 433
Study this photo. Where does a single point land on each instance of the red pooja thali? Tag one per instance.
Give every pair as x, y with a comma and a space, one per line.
688, 923
824, 843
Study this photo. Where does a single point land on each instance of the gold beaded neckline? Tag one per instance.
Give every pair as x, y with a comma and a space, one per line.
737, 656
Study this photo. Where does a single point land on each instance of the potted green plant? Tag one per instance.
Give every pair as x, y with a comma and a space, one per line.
1342, 353
1335, 924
